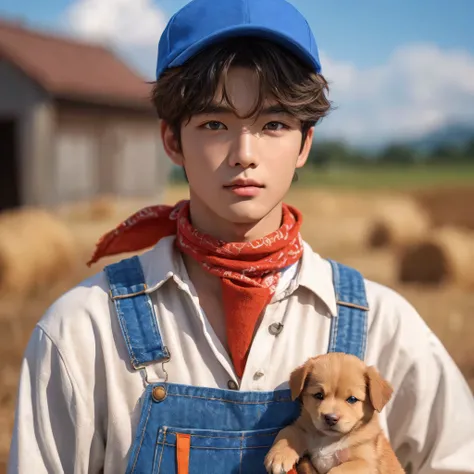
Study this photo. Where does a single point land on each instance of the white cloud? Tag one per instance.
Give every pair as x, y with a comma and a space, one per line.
133, 27
134, 22
419, 89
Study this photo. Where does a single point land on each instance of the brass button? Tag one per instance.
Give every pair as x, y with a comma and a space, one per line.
232, 385
158, 393
275, 329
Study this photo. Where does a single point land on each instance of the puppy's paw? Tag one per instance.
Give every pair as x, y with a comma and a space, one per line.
281, 459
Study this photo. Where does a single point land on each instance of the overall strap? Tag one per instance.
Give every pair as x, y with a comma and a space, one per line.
135, 312
349, 327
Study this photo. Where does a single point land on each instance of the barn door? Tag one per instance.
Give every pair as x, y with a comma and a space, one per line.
77, 174
136, 163
9, 159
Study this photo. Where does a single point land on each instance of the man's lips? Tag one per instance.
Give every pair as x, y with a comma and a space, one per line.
244, 187
244, 183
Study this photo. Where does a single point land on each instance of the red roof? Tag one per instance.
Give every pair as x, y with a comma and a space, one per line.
72, 69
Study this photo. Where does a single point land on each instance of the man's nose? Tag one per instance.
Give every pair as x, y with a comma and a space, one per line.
244, 151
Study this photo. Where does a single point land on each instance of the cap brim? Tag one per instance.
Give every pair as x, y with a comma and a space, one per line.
289, 43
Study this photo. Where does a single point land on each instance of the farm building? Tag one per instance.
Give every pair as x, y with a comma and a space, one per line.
75, 123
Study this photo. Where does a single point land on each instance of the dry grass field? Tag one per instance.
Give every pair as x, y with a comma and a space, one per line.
387, 236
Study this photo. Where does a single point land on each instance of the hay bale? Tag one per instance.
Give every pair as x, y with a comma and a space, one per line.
330, 203
361, 223
397, 221
448, 206
444, 256
36, 251
375, 265
336, 235
99, 208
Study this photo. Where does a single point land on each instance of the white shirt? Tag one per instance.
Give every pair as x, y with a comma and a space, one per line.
78, 404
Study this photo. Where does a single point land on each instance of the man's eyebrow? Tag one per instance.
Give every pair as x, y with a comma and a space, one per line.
225, 109
216, 109
274, 109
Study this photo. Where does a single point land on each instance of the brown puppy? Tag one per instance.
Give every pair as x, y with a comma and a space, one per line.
339, 426
305, 466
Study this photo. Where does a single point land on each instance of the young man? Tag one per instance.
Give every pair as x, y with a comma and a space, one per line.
178, 360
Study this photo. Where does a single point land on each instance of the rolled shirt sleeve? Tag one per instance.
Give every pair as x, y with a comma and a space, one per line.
430, 419
53, 431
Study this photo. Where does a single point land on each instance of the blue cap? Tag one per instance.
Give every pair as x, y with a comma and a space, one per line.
201, 23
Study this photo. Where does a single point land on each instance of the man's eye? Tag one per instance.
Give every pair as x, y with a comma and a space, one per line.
275, 126
214, 125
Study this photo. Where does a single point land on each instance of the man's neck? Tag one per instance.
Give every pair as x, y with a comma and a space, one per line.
201, 279
209, 291
211, 224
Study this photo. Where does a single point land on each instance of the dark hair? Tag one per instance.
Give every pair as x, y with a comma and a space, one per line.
187, 90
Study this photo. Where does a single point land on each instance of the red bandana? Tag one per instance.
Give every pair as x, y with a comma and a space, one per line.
249, 271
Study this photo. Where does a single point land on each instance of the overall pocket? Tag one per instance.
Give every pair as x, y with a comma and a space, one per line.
194, 451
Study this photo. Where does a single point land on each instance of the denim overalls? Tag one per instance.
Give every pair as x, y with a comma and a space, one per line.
197, 430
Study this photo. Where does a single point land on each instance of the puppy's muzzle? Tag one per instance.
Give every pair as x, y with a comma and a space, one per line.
331, 419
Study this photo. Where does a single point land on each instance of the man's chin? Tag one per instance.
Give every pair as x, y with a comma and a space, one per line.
246, 212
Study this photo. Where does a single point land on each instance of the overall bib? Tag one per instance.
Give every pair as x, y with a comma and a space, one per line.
198, 430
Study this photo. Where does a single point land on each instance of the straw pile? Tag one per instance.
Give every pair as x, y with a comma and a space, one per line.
352, 223
323, 203
396, 222
36, 251
444, 256
99, 208
336, 234
375, 265
449, 206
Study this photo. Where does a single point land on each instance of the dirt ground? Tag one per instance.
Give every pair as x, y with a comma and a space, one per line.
447, 309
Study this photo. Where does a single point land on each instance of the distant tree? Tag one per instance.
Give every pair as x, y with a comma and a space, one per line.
469, 150
331, 152
446, 153
177, 174
398, 154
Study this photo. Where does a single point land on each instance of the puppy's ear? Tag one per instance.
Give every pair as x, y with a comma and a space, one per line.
380, 391
297, 380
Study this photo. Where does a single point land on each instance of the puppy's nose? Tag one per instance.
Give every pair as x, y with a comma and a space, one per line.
331, 419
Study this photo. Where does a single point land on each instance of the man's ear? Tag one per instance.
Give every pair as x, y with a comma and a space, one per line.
171, 143
305, 149
380, 391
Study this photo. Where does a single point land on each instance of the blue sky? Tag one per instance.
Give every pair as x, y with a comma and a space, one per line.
398, 56
363, 31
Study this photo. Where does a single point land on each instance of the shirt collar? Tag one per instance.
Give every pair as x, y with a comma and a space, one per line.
161, 264
315, 274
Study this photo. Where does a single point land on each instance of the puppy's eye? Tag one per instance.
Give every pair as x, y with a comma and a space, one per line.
352, 400
319, 396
